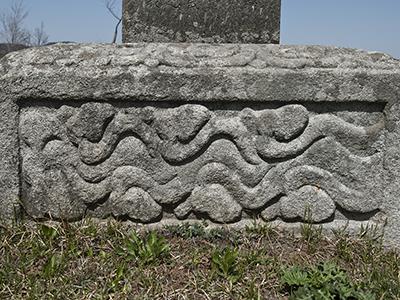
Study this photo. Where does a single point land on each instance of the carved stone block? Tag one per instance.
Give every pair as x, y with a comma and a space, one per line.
158, 132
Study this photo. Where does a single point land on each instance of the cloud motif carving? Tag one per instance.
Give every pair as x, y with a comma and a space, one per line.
146, 163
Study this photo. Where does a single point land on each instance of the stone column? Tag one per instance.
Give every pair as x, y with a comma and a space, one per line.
206, 21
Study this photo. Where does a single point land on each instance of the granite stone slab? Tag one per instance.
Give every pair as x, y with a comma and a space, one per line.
156, 132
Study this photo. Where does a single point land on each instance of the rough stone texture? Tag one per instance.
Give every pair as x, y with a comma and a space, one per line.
227, 161
149, 132
223, 21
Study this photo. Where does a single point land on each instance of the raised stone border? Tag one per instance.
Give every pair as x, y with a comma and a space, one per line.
150, 132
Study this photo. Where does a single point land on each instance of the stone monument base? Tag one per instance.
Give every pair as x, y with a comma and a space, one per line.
153, 132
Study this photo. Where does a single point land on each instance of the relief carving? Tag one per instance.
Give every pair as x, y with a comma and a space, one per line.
146, 163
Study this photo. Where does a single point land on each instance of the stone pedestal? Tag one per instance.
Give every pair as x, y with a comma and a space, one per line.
155, 132
223, 21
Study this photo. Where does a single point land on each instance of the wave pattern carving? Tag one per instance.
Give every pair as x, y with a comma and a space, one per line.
149, 163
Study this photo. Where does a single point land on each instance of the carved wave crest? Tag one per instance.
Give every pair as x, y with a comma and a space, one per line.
144, 163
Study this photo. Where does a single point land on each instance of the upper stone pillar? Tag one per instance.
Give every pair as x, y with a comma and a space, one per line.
206, 21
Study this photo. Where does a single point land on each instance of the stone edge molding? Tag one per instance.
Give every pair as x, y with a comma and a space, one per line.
199, 74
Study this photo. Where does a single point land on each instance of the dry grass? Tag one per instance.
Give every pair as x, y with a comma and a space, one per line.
93, 261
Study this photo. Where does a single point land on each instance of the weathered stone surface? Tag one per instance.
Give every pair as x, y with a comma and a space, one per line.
225, 160
223, 132
309, 203
9, 158
223, 21
201, 72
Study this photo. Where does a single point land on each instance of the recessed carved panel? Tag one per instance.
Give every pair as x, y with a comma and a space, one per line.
151, 162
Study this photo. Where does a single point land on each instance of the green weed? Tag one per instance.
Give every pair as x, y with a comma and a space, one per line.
310, 233
226, 263
324, 281
53, 265
145, 251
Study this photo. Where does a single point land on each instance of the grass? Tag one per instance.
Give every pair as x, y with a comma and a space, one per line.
88, 260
